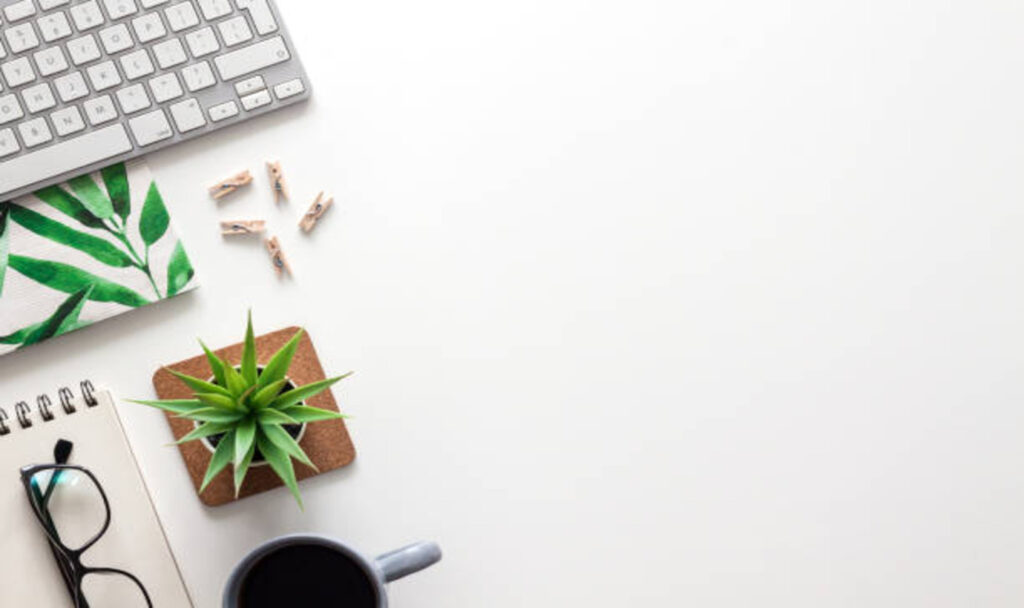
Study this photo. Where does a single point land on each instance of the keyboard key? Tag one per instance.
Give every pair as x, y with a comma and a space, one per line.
38, 98
289, 89
254, 57
256, 100
21, 38
54, 26
214, 9
64, 157
188, 115
151, 128
181, 16
262, 16
86, 15
48, 4
169, 53
104, 76
152, 3
223, 111
198, 76
84, 49
67, 121
10, 109
235, 31
133, 98
34, 132
116, 39
250, 85
18, 72
120, 8
3, 53
137, 64
8, 143
202, 42
51, 61
166, 87
71, 87
149, 27
100, 110
19, 10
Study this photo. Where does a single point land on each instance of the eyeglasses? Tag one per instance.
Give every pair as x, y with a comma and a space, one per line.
71, 506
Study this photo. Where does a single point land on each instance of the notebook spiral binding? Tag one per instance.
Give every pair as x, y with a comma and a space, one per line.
23, 412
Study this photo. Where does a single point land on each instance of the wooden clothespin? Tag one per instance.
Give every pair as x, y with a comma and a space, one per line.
243, 227
316, 211
277, 256
231, 184
277, 183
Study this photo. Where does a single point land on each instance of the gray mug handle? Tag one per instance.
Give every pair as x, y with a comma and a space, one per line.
407, 560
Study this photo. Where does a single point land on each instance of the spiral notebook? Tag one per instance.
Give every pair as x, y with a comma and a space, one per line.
135, 540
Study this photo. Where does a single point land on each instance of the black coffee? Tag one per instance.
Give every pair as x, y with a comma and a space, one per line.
303, 576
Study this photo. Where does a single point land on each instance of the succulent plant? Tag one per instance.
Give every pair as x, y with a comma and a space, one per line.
245, 411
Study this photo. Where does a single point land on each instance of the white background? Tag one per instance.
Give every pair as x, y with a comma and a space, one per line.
667, 302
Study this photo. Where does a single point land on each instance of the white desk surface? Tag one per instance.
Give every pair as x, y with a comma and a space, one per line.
701, 303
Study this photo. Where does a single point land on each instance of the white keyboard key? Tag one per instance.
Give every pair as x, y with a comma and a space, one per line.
100, 110
181, 16
3, 53
64, 157
84, 49
38, 98
18, 72
165, 87
214, 9
19, 10
256, 100
188, 115
223, 111
250, 85
21, 38
51, 61
149, 27
169, 53
86, 15
198, 76
235, 31
10, 109
35, 132
120, 8
67, 121
104, 76
116, 39
254, 57
202, 42
71, 87
152, 3
137, 64
262, 16
8, 143
133, 98
151, 128
54, 26
289, 89
48, 4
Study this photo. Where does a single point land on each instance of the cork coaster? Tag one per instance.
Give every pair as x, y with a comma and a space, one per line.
326, 442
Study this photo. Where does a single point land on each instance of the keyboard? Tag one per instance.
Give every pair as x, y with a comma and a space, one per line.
87, 83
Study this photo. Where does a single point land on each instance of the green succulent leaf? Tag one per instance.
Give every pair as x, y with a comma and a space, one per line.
236, 385
93, 246
242, 467
199, 386
69, 279
179, 270
221, 458
249, 354
66, 203
219, 400
244, 436
278, 365
216, 365
279, 460
265, 395
269, 416
5, 241
296, 395
175, 406
92, 197
213, 414
304, 413
62, 319
207, 429
154, 219
115, 178
283, 440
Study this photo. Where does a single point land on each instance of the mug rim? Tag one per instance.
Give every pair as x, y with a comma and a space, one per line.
242, 568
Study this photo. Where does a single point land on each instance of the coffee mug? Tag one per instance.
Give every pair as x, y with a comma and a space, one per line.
310, 570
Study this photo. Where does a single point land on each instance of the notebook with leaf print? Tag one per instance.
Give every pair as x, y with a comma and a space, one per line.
86, 250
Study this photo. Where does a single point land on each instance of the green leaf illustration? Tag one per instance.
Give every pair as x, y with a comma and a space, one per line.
63, 201
69, 279
62, 319
19, 336
92, 197
154, 219
5, 242
115, 178
179, 271
93, 246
